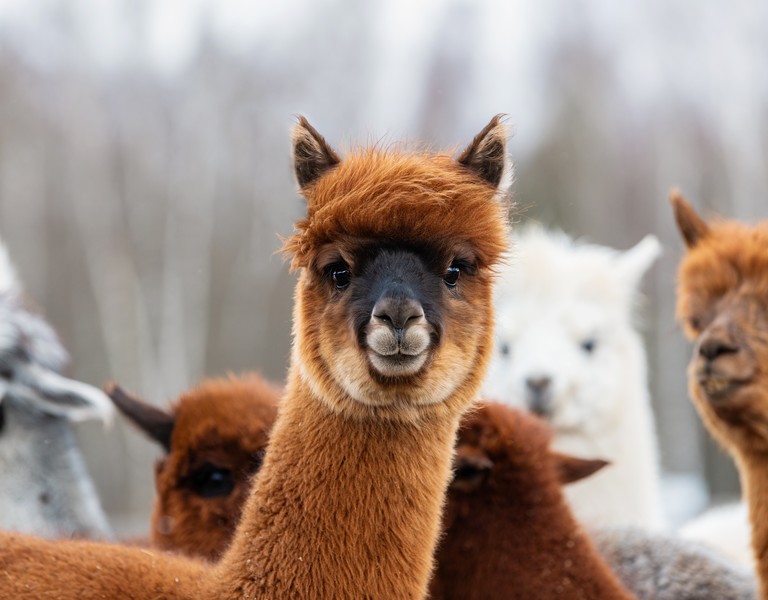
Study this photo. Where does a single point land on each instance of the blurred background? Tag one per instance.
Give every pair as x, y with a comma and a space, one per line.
145, 175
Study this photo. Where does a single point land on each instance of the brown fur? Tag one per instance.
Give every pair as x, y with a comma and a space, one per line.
348, 502
722, 303
509, 533
223, 422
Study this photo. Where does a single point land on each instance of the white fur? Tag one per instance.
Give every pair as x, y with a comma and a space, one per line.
554, 296
46, 487
725, 528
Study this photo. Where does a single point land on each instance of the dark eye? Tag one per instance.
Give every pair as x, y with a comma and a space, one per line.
694, 323
589, 345
341, 275
210, 481
504, 349
451, 276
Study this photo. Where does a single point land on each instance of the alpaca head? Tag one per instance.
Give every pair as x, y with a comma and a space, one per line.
497, 451
393, 311
722, 304
214, 438
565, 342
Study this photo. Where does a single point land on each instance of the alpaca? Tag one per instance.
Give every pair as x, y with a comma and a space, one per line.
567, 350
392, 330
661, 567
46, 490
214, 438
508, 530
721, 304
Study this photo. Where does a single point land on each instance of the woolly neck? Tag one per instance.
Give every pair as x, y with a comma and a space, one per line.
358, 499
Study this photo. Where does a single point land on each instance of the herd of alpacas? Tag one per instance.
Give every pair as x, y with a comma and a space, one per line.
376, 471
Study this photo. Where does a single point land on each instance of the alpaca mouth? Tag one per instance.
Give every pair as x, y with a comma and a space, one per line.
718, 387
398, 364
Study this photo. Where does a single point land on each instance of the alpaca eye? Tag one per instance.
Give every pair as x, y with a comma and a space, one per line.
504, 349
341, 275
451, 276
210, 481
694, 323
589, 345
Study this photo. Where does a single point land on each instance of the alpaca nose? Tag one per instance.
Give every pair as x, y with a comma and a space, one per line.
713, 346
398, 313
539, 397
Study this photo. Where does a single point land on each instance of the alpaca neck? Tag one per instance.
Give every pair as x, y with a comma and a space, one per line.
342, 508
754, 478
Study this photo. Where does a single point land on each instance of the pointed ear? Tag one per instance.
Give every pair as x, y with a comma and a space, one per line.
312, 156
55, 395
155, 423
471, 466
486, 156
571, 469
637, 260
691, 226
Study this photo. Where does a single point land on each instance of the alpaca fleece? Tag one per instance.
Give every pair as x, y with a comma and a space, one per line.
567, 349
508, 530
721, 303
349, 498
214, 437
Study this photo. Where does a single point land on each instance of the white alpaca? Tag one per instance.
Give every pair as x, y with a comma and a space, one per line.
567, 350
46, 488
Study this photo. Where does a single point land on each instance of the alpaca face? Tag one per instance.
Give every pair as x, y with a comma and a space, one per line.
393, 307
214, 441
722, 291
565, 343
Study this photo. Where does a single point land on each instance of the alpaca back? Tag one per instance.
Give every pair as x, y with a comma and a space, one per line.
567, 349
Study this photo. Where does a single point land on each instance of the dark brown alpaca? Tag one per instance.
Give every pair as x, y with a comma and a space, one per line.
392, 334
722, 303
508, 530
214, 437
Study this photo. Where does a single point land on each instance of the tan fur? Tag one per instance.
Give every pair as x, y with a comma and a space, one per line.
722, 301
348, 502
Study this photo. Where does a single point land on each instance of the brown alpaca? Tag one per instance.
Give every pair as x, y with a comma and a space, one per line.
722, 303
392, 334
508, 530
214, 438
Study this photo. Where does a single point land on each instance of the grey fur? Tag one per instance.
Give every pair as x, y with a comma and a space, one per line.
661, 567
46, 489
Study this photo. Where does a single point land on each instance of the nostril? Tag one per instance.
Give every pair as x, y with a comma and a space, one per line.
398, 313
712, 348
538, 384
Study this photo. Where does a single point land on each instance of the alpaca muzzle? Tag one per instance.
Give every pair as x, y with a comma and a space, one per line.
397, 335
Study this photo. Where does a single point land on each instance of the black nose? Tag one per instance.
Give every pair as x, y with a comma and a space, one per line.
713, 347
397, 312
539, 395
538, 385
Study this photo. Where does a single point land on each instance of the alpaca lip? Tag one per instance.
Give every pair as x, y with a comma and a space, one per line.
397, 364
716, 387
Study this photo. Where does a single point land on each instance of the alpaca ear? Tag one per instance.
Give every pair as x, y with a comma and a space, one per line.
312, 156
637, 260
154, 422
58, 396
691, 226
571, 469
471, 467
486, 156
